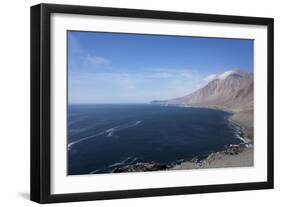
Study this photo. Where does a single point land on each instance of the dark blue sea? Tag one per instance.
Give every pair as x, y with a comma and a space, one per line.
103, 137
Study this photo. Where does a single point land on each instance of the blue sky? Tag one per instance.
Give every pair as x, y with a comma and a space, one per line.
129, 68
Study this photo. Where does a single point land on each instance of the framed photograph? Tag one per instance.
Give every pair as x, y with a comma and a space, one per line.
133, 103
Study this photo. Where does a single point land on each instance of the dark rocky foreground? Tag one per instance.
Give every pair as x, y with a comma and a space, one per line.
142, 167
232, 156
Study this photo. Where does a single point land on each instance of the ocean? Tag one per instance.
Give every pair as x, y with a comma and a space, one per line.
103, 137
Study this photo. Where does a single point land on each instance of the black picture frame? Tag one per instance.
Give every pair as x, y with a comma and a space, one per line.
41, 98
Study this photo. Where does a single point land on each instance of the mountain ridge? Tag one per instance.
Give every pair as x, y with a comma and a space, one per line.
232, 91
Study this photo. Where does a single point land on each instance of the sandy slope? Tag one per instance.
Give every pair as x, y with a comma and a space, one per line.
220, 159
245, 119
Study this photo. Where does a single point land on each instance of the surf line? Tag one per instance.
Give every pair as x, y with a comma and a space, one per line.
110, 132
238, 132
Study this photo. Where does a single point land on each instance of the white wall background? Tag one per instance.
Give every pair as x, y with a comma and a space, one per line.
14, 104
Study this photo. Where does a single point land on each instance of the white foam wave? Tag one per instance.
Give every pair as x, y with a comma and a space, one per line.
93, 172
127, 160
120, 163
109, 132
241, 138
237, 130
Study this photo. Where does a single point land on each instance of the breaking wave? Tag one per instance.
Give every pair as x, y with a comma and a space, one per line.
237, 132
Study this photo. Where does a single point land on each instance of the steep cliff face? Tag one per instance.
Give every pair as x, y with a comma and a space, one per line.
233, 92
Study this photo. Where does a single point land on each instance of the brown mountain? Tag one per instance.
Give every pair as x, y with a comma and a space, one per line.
233, 93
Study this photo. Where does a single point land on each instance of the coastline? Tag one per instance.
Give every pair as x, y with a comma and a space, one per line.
235, 156
237, 117
242, 158
243, 154
239, 155
231, 157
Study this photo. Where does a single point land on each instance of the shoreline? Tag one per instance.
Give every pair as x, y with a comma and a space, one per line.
244, 151
245, 130
234, 155
230, 157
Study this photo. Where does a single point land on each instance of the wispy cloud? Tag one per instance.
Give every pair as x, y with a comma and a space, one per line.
219, 76
210, 77
133, 86
86, 57
225, 74
171, 73
74, 45
95, 60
